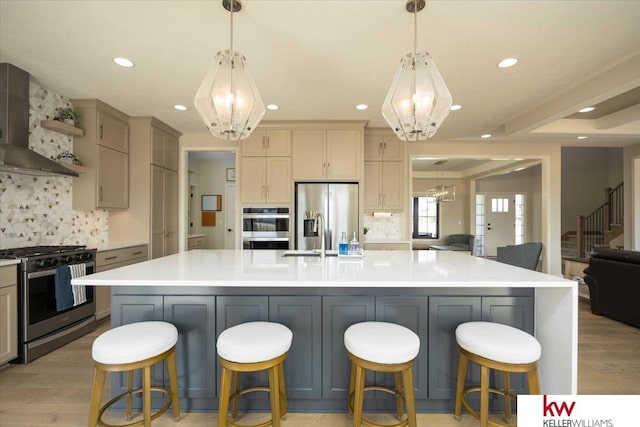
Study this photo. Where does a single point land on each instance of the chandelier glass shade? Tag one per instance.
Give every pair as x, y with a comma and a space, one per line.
418, 101
228, 100
443, 193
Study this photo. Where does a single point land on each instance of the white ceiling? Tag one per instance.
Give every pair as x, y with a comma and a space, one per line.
318, 59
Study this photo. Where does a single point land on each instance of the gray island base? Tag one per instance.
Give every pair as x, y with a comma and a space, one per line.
430, 292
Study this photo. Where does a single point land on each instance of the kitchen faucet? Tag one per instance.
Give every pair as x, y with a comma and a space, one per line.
320, 218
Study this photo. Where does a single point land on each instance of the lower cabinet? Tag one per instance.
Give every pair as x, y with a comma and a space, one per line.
317, 369
8, 313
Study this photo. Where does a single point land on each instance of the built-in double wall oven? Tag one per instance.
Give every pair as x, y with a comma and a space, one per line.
265, 228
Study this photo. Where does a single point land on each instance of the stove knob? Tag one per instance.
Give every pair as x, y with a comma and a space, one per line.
44, 263
54, 261
66, 259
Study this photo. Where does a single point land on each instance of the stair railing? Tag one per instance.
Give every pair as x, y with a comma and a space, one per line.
591, 228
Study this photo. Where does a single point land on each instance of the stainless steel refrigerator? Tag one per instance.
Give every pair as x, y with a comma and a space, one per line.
338, 204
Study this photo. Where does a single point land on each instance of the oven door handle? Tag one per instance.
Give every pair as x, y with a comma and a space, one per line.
264, 216
52, 272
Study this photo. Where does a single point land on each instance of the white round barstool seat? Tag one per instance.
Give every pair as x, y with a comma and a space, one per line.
381, 342
134, 342
254, 342
498, 342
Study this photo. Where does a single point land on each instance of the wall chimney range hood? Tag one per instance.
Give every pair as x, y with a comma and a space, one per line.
15, 155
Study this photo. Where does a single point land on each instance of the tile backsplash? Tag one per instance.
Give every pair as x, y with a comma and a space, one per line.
37, 210
382, 228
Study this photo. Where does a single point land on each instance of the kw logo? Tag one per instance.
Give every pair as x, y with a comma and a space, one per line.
552, 409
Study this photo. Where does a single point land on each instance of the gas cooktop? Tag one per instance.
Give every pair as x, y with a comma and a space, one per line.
31, 251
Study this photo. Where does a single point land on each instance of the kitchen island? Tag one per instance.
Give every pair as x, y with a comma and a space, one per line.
204, 292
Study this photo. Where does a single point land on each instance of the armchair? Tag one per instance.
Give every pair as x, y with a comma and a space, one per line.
460, 242
525, 255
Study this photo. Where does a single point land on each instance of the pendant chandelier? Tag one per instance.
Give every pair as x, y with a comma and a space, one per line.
441, 192
418, 100
228, 100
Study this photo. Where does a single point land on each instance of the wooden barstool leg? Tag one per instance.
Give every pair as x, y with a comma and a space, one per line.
352, 386
96, 396
223, 405
235, 387
146, 393
173, 384
283, 392
399, 388
407, 381
128, 412
462, 372
358, 397
533, 381
507, 401
274, 395
484, 396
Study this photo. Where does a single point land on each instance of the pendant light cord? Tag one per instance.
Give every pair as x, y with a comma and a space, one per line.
415, 27
231, 27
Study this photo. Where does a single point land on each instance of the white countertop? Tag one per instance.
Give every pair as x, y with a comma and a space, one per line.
4, 262
270, 268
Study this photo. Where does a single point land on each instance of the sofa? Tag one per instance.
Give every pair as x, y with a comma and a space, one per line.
613, 278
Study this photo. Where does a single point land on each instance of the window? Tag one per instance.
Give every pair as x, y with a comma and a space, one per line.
499, 205
425, 218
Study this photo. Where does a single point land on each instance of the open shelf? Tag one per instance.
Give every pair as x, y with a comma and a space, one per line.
61, 127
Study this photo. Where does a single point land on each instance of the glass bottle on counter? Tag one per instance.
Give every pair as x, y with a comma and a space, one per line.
354, 245
343, 245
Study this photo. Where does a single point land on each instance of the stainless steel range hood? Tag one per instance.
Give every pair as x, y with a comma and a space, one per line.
15, 155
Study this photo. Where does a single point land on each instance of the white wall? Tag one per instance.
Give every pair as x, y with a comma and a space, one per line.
632, 197
586, 174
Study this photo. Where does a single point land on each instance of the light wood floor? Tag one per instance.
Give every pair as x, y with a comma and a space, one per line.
55, 389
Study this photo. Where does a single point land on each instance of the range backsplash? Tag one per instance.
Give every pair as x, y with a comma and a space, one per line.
37, 210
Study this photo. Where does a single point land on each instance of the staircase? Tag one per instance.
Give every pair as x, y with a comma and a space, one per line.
598, 228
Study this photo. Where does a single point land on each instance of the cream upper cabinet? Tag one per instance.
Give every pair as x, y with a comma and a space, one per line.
164, 149
266, 180
379, 147
267, 142
104, 150
8, 313
383, 185
326, 154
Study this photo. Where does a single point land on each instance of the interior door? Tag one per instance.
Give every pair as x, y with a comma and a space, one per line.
500, 221
230, 217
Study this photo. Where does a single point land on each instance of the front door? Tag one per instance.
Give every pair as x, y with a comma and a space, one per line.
500, 221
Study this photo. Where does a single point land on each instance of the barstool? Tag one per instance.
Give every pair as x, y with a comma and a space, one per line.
251, 347
494, 346
125, 349
382, 347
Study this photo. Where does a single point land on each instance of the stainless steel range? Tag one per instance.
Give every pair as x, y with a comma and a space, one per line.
42, 327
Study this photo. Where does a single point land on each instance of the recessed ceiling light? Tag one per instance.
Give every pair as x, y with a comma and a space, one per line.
507, 62
180, 107
485, 136
583, 137
362, 107
272, 107
586, 109
455, 107
123, 62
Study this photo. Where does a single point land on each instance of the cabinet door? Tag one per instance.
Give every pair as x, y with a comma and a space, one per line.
512, 311
8, 317
171, 152
338, 313
194, 317
158, 226
279, 142
343, 154
171, 212
410, 312
302, 369
392, 149
372, 185
112, 179
278, 179
255, 144
112, 132
157, 146
309, 154
392, 185
373, 147
252, 179
445, 314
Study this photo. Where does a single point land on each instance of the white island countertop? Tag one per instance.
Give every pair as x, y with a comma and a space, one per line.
271, 268
555, 305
